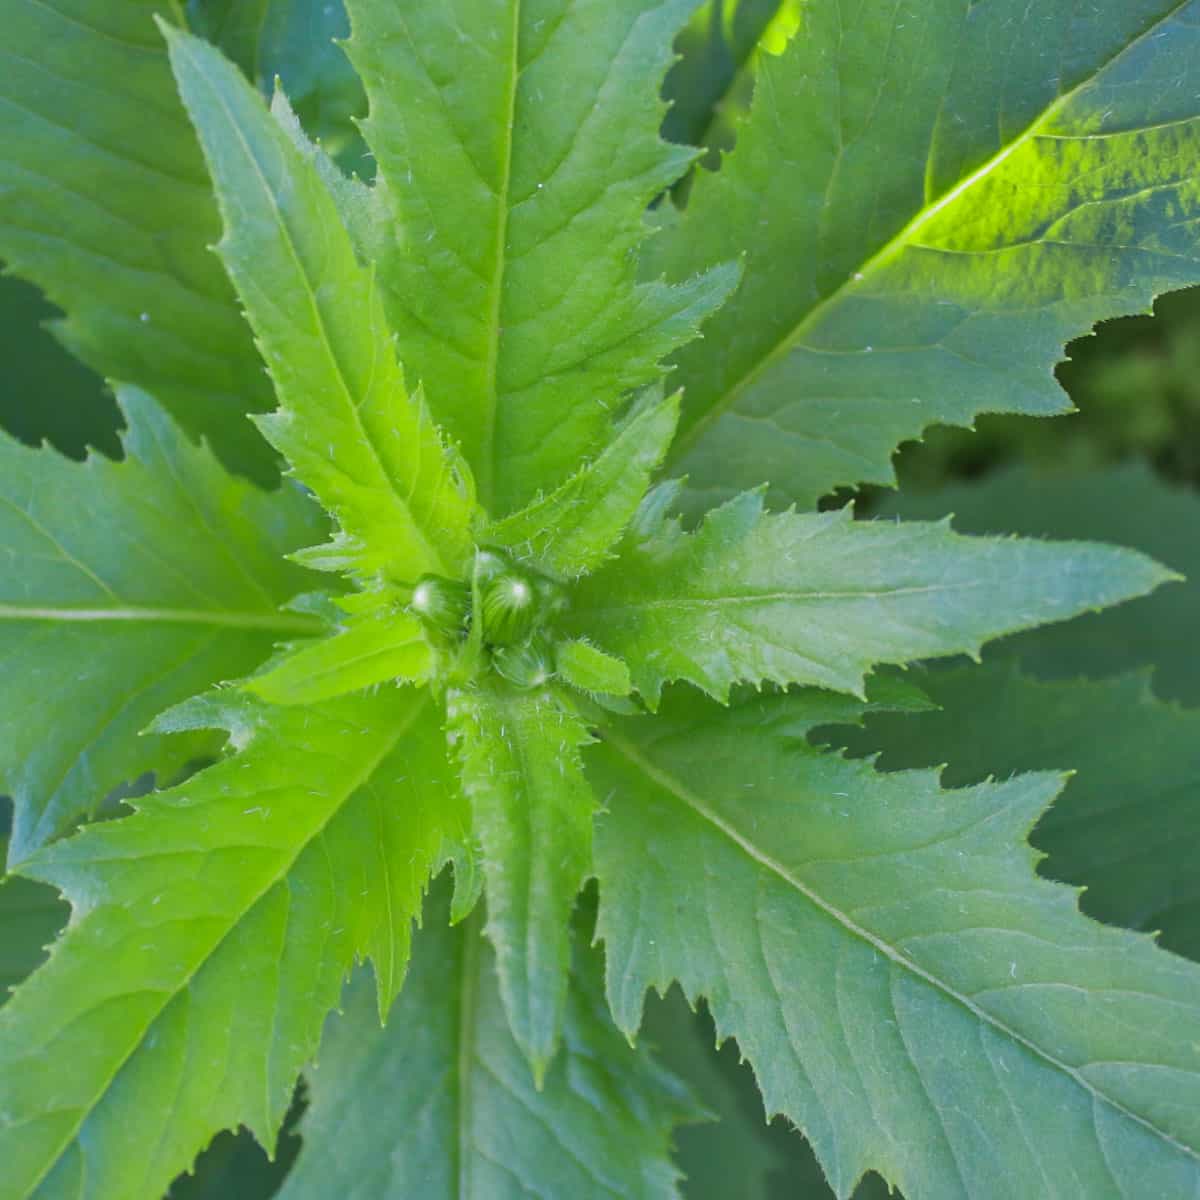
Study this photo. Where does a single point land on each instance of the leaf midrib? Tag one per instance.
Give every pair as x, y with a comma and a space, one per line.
486, 481
720, 600
278, 622
688, 438
674, 787
276, 877
468, 996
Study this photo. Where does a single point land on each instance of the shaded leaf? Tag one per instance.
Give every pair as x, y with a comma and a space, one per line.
711, 84
1127, 505
1127, 827
905, 987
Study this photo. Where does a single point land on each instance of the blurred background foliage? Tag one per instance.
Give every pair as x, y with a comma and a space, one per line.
1116, 695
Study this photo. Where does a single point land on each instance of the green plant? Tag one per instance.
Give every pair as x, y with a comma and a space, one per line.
536, 619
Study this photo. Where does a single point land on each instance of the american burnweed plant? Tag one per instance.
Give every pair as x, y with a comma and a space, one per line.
488, 626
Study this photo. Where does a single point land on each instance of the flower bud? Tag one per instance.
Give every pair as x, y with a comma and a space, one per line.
443, 604
509, 608
526, 666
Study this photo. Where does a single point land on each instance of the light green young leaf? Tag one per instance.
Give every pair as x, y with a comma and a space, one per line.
1128, 824
572, 531
907, 990
378, 642
820, 598
934, 199
520, 179
367, 449
140, 1038
92, 128
531, 812
128, 587
440, 1104
1128, 505
581, 665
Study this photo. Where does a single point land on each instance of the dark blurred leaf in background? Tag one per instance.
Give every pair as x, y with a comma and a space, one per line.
296, 41
45, 394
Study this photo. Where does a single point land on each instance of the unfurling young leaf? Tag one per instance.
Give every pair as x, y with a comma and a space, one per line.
528, 602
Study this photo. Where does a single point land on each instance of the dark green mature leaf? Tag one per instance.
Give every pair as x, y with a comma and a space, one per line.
572, 530
1127, 505
906, 988
519, 146
532, 814
277, 867
440, 1104
1128, 824
91, 127
821, 598
366, 448
934, 197
127, 588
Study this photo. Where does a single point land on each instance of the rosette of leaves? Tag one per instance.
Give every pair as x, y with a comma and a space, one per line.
510, 655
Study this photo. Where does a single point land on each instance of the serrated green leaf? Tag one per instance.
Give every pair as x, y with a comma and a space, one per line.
1128, 824
532, 815
821, 598
583, 666
440, 1104
352, 433
378, 642
572, 531
1127, 505
520, 179
127, 587
934, 198
280, 865
91, 125
905, 987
